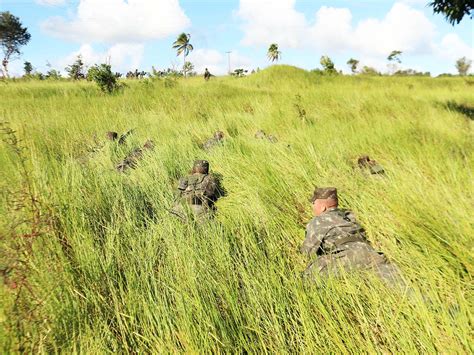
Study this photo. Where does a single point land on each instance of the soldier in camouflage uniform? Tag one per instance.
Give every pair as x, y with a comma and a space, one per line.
197, 193
372, 166
340, 243
113, 136
214, 141
131, 160
260, 134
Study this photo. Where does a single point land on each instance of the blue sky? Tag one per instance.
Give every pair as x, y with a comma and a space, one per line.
139, 33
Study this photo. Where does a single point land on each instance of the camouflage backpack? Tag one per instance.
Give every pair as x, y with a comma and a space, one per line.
194, 189
343, 230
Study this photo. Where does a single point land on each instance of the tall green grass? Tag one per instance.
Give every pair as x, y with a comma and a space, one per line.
115, 272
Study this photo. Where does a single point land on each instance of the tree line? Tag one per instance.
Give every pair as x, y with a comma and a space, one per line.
13, 36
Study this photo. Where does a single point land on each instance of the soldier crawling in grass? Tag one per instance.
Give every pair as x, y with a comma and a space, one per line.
261, 134
197, 194
340, 243
132, 159
216, 140
113, 136
370, 165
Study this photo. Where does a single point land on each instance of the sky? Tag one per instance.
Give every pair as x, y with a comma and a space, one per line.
139, 33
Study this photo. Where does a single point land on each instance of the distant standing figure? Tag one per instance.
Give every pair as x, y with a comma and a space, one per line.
366, 163
197, 193
217, 139
131, 160
207, 74
340, 243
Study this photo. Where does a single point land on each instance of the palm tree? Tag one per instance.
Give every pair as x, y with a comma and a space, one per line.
395, 56
182, 45
273, 53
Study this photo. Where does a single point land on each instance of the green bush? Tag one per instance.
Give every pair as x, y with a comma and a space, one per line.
103, 76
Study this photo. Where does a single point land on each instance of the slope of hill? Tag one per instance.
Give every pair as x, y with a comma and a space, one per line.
100, 265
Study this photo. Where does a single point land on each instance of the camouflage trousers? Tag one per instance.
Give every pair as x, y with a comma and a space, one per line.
361, 257
187, 213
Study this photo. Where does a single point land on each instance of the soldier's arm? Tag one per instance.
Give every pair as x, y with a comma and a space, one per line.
210, 190
182, 185
314, 238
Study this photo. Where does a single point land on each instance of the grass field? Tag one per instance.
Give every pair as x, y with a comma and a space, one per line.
108, 269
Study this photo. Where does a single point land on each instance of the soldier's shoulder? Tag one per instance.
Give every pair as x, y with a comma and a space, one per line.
212, 177
211, 180
330, 217
347, 215
318, 222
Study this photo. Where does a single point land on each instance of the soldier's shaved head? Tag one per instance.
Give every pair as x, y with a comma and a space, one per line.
322, 205
323, 199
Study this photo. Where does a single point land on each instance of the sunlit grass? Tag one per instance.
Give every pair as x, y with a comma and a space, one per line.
133, 278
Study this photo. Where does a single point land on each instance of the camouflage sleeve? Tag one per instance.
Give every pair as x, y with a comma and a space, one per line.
183, 184
350, 216
315, 233
210, 190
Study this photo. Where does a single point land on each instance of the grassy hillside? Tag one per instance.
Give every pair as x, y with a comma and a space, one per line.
99, 265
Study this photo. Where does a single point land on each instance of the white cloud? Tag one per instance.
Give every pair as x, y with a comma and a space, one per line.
268, 21
403, 28
51, 2
452, 48
119, 21
416, 2
332, 31
122, 56
217, 62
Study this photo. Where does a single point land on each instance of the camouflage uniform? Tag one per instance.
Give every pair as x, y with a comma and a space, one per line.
124, 137
214, 141
196, 194
260, 134
340, 244
365, 162
111, 136
131, 160
272, 139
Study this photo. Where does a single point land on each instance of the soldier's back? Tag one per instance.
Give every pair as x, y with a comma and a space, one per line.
342, 230
345, 247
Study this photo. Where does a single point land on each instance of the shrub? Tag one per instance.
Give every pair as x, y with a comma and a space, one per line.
76, 70
328, 65
104, 77
369, 71
411, 72
238, 73
53, 74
